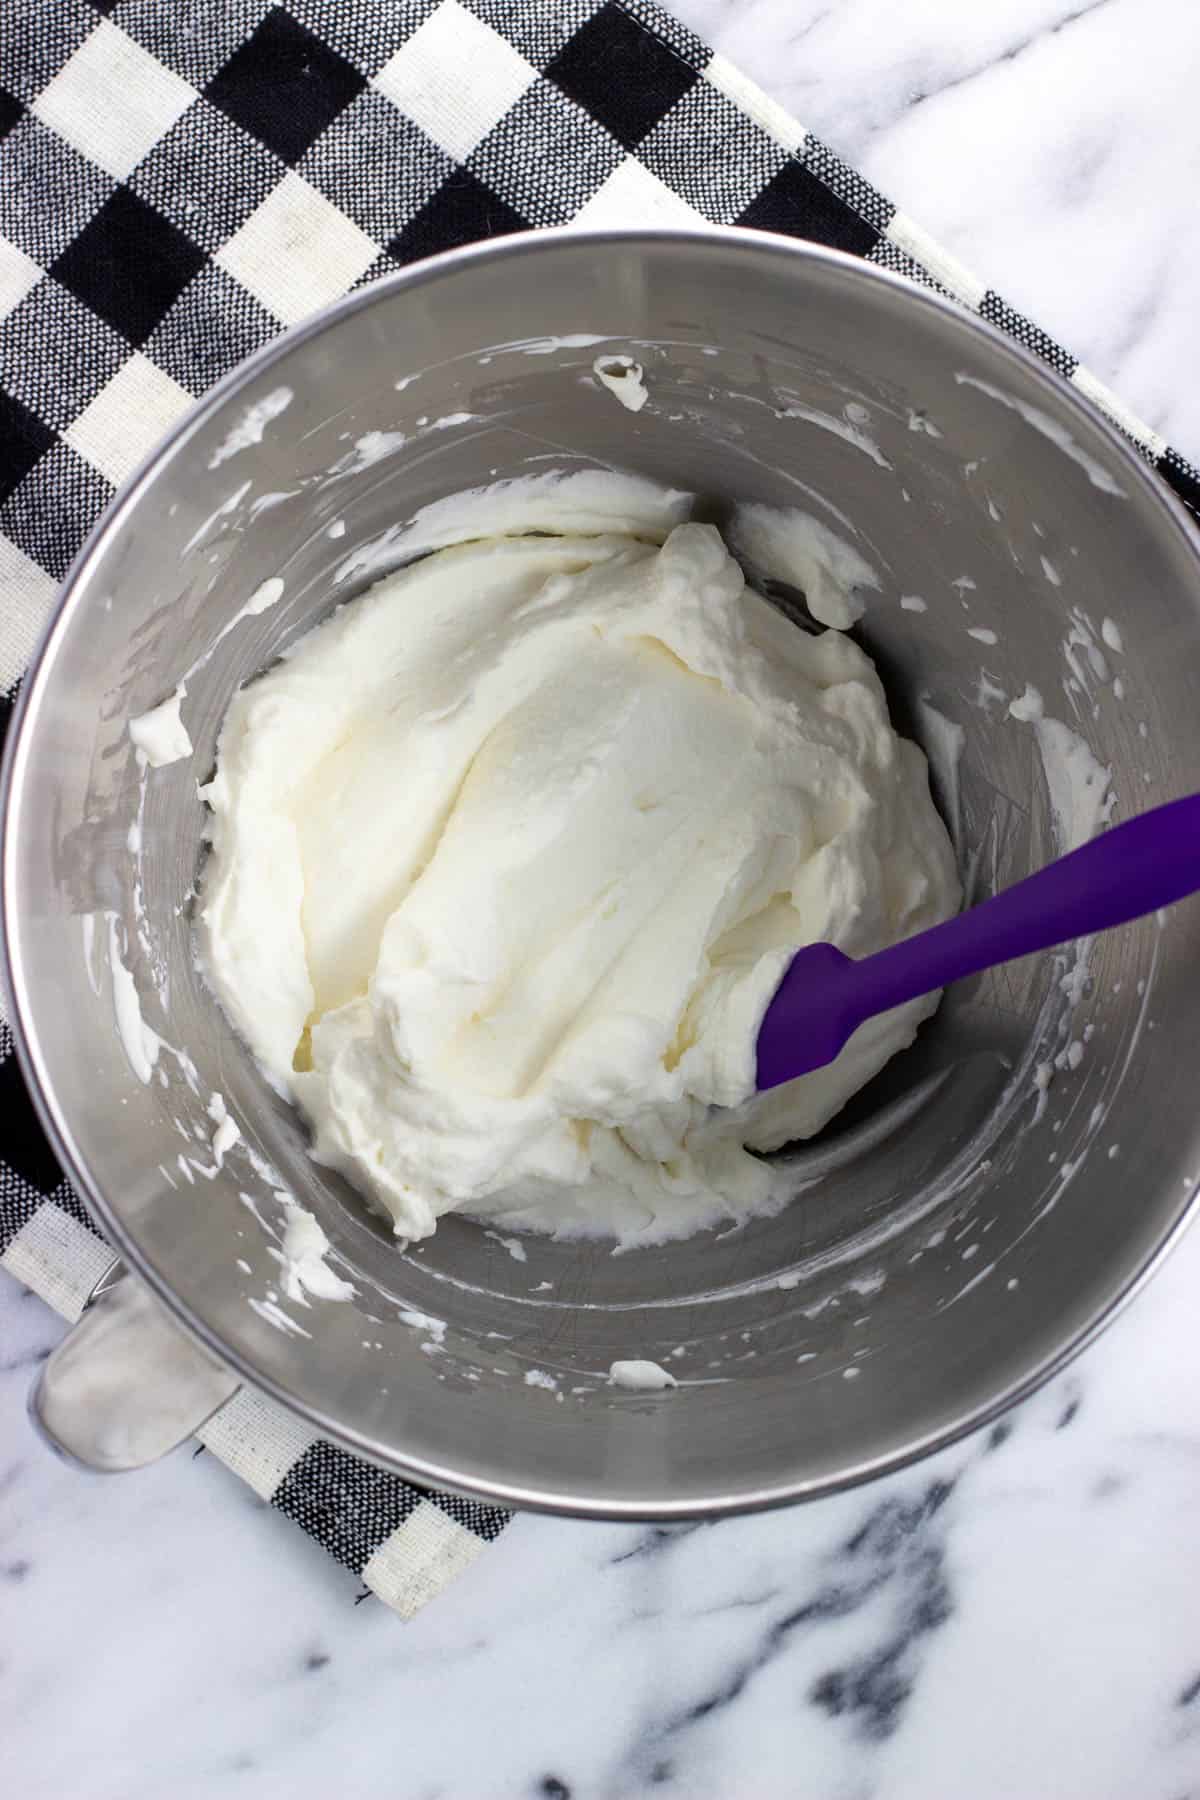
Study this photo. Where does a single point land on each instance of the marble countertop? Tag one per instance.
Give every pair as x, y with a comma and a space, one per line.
1019, 1617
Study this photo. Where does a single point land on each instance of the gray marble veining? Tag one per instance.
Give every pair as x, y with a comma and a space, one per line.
1018, 1618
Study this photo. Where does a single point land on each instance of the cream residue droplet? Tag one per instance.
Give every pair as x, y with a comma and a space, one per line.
624, 378
641, 1375
160, 735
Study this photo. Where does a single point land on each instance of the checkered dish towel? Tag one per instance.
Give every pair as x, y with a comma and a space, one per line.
179, 180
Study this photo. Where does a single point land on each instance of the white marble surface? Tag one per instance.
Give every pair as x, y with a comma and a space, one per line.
1017, 1619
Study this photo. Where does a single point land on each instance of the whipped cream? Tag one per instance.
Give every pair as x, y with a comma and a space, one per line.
160, 735
624, 378
784, 544
302, 1257
511, 852
641, 1376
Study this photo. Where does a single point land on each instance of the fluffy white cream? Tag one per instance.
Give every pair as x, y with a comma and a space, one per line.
624, 378
785, 544
508, 857
160, 735
645, 1377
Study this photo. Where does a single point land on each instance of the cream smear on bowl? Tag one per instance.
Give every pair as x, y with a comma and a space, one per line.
509, 854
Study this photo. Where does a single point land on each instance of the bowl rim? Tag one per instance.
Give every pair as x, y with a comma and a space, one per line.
797, 253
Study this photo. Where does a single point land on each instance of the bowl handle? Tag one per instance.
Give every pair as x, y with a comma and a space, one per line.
125, 1385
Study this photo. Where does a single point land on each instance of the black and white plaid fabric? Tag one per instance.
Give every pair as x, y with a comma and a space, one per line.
182, 179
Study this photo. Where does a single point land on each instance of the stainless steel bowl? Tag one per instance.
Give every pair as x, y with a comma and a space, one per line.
951, 1242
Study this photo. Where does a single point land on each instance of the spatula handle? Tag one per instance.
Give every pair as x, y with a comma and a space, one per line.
1133, 869
1128, 871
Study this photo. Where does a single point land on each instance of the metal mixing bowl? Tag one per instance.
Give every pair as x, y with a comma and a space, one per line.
956, 1234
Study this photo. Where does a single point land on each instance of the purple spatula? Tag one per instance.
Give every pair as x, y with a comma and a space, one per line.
1126, 872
